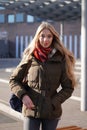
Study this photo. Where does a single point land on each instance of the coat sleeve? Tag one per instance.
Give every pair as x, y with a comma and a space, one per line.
16, 79
66, 89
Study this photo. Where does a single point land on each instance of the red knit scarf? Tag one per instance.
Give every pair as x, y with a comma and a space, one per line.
41, 53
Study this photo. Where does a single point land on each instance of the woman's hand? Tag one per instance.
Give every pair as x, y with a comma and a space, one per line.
28, 102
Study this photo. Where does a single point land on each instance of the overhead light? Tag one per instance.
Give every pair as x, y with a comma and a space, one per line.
74, 7
67, 1
76, 0
26, 4
32, 1
46, 3
41, 6
6, 4
53, 0
11, 2
61, 5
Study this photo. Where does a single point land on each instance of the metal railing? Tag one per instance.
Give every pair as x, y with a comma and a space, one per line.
73, 43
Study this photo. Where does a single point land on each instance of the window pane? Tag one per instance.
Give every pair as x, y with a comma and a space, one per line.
2, 18
39, 19
11, 18
2, 8
19, 17
30, 19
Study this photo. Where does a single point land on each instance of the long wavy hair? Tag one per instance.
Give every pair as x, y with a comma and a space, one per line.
70, 60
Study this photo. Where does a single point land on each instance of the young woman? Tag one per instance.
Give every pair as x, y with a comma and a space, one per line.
50, 79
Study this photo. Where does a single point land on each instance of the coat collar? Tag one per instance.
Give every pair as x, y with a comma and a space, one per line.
57, 57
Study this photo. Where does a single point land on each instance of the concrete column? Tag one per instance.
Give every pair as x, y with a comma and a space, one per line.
84, 56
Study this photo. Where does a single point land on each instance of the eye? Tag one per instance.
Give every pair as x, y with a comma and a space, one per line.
42, 36
49, 36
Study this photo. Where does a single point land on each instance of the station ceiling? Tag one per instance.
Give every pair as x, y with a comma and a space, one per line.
57, 10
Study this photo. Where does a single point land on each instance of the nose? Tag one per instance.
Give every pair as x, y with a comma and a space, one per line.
45, 39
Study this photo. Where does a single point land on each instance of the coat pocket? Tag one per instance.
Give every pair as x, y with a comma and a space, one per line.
57, 111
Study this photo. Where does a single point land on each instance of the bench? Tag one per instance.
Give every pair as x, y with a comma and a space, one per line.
71, 128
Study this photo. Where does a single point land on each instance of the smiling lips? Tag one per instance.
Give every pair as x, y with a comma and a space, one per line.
46, 43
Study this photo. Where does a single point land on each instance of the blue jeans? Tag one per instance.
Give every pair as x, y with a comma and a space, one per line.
35, 124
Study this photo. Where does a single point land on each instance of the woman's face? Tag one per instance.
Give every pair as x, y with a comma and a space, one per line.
45, 38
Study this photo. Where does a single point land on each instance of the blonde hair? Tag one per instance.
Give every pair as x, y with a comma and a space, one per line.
70, 60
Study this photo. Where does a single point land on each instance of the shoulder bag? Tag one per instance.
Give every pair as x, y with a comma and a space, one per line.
14, 101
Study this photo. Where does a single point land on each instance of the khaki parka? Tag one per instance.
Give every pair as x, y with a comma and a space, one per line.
48, 86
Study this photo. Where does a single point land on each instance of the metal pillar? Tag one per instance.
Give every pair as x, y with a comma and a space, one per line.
61, 30
84, 56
